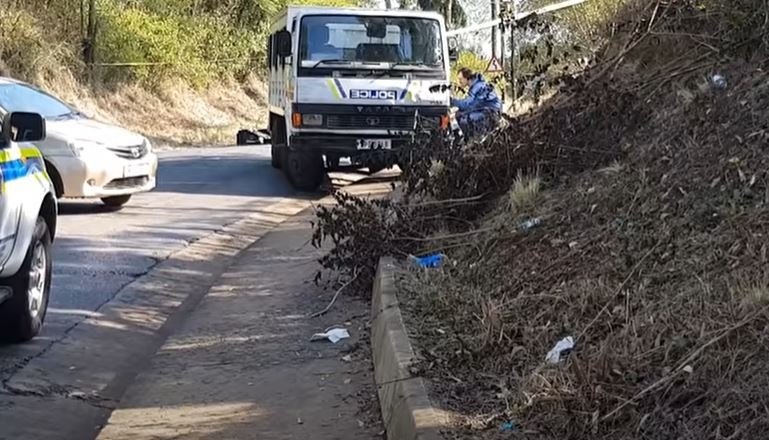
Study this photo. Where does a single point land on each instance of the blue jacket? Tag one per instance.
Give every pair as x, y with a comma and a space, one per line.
481, 96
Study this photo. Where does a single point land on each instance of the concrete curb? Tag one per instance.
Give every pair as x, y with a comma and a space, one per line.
406, 408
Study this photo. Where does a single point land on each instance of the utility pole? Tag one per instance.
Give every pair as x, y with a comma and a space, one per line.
494, 16
506, 16
513, 81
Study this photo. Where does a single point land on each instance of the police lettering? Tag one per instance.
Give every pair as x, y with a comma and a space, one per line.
373, 94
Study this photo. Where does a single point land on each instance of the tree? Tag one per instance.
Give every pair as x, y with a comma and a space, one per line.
451, 9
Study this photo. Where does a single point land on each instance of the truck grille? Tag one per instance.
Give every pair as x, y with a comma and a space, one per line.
131, 152
371, 122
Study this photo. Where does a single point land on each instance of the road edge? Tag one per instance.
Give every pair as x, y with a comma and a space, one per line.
407, 411
84, 376
84, 367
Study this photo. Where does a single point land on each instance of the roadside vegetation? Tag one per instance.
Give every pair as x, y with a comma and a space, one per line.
627, 212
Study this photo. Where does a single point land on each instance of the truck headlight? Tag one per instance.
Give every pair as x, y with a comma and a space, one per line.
313, 120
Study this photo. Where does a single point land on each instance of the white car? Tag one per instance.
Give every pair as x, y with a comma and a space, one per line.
84, 158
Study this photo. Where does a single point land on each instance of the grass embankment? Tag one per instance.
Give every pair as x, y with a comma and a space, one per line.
649, 176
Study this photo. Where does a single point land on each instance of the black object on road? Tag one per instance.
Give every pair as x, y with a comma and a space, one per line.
248, 137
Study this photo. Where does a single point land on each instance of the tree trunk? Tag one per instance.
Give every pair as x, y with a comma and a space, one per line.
89, 41
388, 4
449, 13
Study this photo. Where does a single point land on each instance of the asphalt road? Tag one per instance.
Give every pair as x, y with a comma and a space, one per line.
99, 251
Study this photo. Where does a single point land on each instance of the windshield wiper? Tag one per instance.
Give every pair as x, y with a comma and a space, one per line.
70, 115
417, 66
329, 61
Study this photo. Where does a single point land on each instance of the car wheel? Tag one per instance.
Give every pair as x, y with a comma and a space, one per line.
22, 316
304, 169
116, 201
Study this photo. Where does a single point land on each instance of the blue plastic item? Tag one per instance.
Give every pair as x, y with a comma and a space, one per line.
507, 427
430, 261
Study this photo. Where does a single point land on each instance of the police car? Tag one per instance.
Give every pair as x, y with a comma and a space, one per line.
85, 158
27, 227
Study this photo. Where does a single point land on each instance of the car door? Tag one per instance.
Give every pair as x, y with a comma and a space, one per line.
23, 187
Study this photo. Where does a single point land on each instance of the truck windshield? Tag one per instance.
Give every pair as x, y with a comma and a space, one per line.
355, 42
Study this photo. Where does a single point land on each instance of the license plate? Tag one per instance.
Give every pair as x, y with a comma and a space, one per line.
137, 170
375, 144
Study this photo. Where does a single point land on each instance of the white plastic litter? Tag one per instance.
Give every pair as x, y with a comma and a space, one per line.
562, 347
719, 81
333, 335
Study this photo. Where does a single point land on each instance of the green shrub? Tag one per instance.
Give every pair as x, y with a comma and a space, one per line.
156, 48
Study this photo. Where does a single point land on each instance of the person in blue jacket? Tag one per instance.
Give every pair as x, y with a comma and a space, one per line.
481, 109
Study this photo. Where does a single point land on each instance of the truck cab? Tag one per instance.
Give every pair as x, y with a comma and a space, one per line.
352, 83
28, 214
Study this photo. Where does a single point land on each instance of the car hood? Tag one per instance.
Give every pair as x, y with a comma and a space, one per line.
93, 132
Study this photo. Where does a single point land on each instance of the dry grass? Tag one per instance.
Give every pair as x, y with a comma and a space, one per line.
523, 193
751, 291
652, 255
175, 114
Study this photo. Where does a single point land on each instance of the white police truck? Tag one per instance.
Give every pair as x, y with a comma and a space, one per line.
28, 214
352, 83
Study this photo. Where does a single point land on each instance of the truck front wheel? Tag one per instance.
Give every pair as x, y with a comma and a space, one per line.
277, 153
22, 315
304, 169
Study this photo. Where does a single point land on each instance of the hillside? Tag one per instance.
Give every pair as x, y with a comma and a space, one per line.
647, 174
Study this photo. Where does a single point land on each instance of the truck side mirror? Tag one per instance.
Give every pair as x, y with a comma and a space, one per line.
453, 52
283, 41
23, 127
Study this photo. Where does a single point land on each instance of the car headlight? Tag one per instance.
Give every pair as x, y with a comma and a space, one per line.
147, 145
80, 148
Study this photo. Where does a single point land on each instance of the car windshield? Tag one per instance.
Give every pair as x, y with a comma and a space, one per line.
22, 98
390, 42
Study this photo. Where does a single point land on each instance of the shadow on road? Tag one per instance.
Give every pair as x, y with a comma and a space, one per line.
230, 175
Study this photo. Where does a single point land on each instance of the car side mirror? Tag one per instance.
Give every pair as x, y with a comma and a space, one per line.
23, 127
283, 41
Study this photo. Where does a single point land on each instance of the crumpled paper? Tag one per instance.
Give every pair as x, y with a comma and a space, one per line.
333, 335
562, 348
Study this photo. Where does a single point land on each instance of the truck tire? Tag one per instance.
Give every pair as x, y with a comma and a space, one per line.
373, 169
304, 169
276, 153
22, 315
